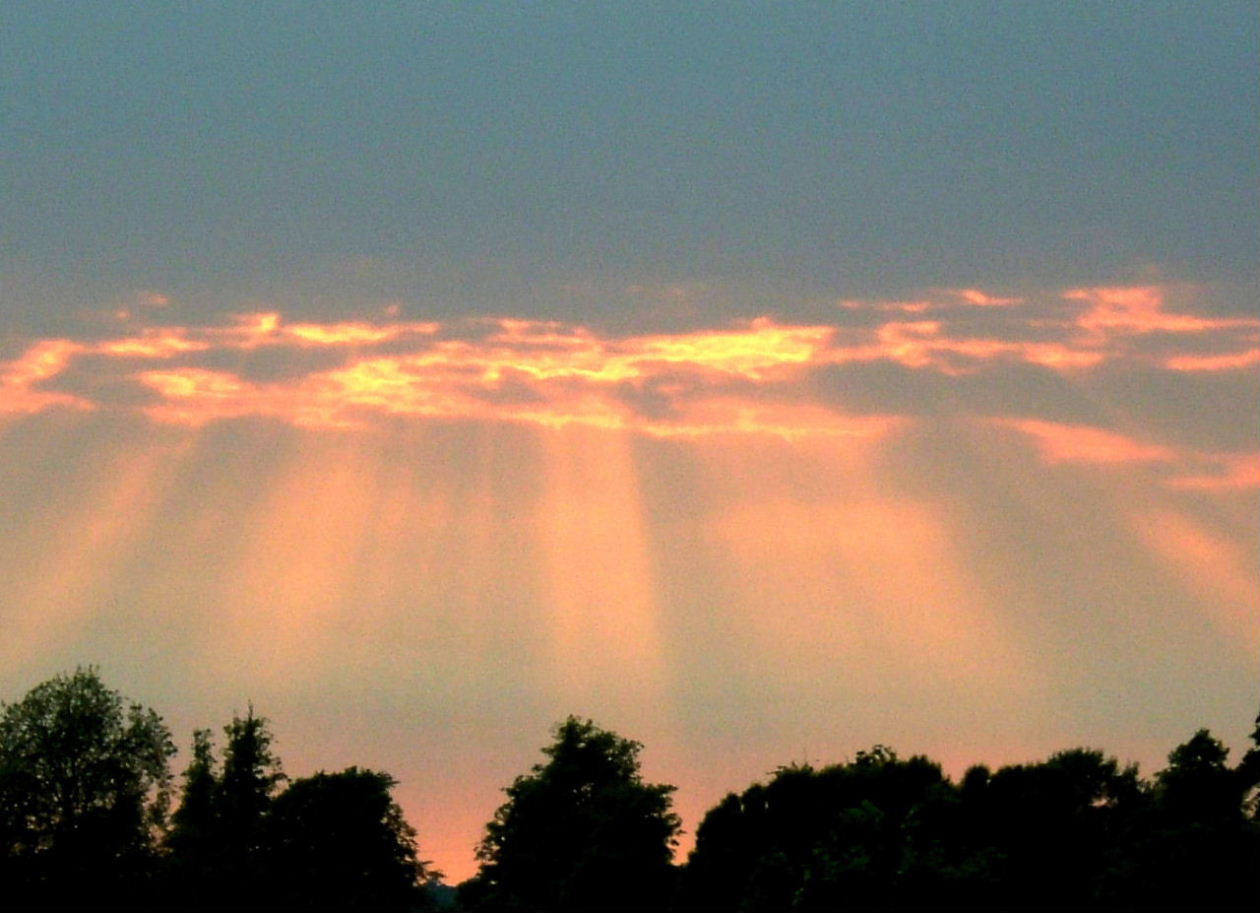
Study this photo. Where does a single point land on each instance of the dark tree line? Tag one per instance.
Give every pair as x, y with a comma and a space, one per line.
1074, 831
90, 817
86, 818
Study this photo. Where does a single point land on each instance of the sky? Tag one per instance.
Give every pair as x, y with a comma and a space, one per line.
762, 381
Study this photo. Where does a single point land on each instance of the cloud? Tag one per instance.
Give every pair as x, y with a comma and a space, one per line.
1060, 443
1140, 309
1230, 361
763, 375
20, 379
1188, 469
1224, 472
982, 299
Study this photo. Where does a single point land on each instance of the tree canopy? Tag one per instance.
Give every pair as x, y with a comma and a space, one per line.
582, 830
1078, 830
84, 788
85, 791
339, 840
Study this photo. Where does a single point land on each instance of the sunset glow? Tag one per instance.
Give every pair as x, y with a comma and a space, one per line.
763, 382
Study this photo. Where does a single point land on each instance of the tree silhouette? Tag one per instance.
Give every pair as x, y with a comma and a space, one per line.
1050, 831
339, 840
251, 774
194, 840
581, 831
1198, 846
84, 788
855, 834
218, 840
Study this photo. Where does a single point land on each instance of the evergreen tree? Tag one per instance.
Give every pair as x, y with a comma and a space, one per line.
194, 839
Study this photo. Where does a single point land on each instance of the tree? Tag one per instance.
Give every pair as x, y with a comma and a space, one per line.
251, 774
1199, 846
863, 833
242, 800
581, 831
1249, 773
84, 789
1054, 832
339, 840
194, 836
218, 837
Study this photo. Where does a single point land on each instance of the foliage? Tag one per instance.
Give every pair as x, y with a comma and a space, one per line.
847, 834
1075, 830
194, 841
582, 830
340, 840
251, 774
84, 788
218, 842
192, 824
1048, 829
1198, 845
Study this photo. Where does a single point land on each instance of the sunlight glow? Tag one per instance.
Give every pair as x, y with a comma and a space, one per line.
848, 580
600, 580
1215, 567
297, 561
84, 546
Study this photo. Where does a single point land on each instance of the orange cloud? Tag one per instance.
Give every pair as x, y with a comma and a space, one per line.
197, 397
1232, 361
1199, 470
152, 343
982, 299
902, 307
20, 378
356, 334
928, 344
558, 374
954, 343
1061, 443
972, 296
1234, 472
1140, 309
523, 371
750, 352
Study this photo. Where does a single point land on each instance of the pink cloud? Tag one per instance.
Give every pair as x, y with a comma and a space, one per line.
1230, 361
20, 379
1060, 443
1140, 309
982, 299
1196, 470
1230, 472
338, 374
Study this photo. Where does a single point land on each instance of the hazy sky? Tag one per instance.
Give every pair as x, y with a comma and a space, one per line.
760, 380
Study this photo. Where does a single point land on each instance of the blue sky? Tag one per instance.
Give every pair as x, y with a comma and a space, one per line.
484, 153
